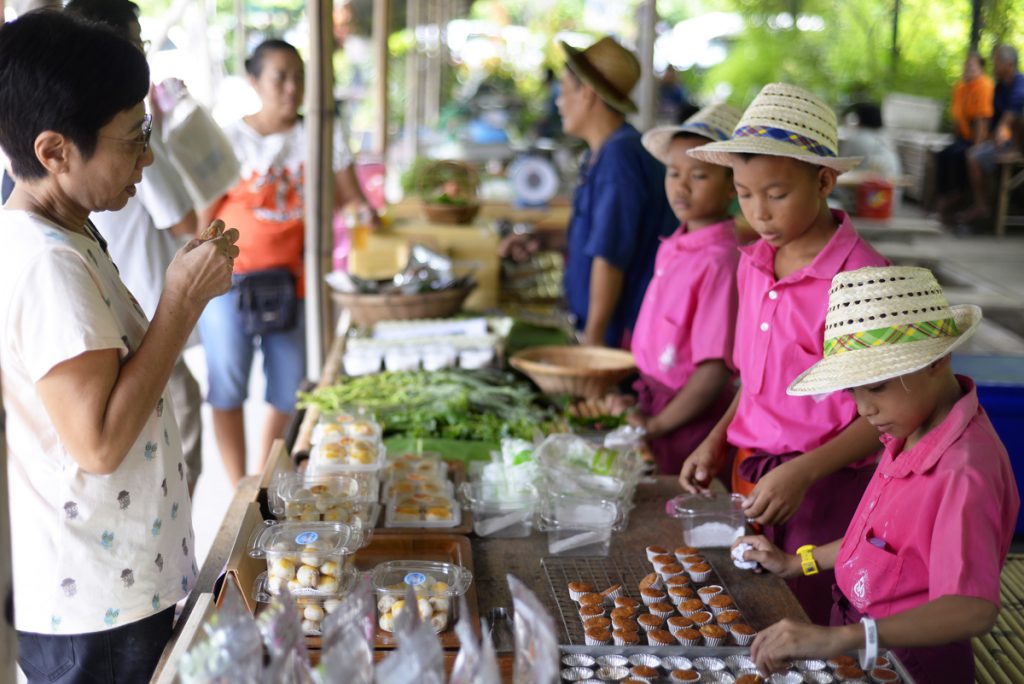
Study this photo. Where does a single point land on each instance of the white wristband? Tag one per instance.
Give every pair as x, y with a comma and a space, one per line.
870, 652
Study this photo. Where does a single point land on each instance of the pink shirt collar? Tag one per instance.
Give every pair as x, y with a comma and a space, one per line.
825, 266
924, 455
717, 233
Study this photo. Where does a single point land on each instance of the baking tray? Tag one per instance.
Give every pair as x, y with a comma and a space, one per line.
429, 547
697, 652
602, 571
456, 475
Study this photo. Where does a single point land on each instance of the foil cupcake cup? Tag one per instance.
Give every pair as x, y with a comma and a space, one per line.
709, 592
700, 618
809, 664
819, 678
699, 576
787, 678
621, 640
577, 674
709, 663
740, 662
673, 678
577, 660
743, 639
676, 663
613, 673
611, 661
591, 641
648, 659
648, 600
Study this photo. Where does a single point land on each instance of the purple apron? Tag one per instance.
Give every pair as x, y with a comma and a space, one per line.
822, 517
672, 449
950, 663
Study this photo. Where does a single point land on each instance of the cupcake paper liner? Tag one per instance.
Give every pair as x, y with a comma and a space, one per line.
591, 641
714, 642
744, 639
706, 595
700, 576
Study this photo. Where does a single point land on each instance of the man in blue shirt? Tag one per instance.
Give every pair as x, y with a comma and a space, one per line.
1007, 106
619, 207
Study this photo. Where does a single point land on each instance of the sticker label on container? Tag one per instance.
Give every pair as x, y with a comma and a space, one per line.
603, 461
414, 579
306, 538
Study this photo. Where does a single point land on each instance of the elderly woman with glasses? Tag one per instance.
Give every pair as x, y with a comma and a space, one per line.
100, 514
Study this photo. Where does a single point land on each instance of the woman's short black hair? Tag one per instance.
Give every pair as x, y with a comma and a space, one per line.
254, 64
118, 14
60, 73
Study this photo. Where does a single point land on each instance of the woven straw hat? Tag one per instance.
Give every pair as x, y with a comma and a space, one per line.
607, 67
714, 122
883, 323
783, 121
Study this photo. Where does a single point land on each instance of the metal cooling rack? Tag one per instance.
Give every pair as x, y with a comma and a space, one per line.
602, 572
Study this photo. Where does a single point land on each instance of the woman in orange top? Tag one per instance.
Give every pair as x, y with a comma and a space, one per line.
268, 209
971, 111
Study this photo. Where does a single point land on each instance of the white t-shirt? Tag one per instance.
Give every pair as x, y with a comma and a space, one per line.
90, 552
260, 154
137, 235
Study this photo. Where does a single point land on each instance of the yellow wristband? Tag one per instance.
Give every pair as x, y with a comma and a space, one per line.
807, 562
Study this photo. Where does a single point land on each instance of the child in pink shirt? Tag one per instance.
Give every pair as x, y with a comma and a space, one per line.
800, 460
683, 337
925, 548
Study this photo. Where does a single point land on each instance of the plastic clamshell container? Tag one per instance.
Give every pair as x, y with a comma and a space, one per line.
366, 474
437, 586
714, 521
314, 498
579, 526
427, 466
423, 510
309, 558
313, 610
336, 427
498, 510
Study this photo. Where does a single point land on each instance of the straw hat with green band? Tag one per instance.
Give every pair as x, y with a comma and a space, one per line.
883, 323
714, 122
783, 121
607, 67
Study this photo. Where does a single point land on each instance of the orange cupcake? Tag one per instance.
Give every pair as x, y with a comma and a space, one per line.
699, 572
677, 581
750, 679
597, 623
660, 637
626, 623
688, 636
679, 594
742, 633
626, 602
626, 637
651, 595
623, 612
649, 622
720, 603
691, 606
590, 599
728, 617
677, 623
714, 635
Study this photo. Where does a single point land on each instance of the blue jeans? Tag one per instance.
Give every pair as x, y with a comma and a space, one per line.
124, 654
229, 351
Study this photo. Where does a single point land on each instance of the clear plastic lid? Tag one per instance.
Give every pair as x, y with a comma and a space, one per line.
560, 511
497, 496
321, 491
702, 504
347, 455
290, 538
425, 577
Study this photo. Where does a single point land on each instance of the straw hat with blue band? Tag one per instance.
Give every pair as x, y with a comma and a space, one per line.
783, 121
607, 67
883, 323
714, 122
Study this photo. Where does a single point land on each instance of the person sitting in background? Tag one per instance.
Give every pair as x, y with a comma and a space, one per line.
619, 208
101, 519
144, 236
1007, 106
924, 550
971, 110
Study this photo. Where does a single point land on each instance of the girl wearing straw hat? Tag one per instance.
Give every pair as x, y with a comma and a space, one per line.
802, 463
925, 548
619, 210
683, 337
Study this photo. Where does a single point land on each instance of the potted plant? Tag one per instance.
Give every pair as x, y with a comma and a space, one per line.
447, 189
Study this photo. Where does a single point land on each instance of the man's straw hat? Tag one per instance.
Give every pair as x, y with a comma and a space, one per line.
714, 122
607, 67
883, 323
783, 121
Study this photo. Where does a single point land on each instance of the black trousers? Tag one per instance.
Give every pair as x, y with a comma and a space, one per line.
123, 654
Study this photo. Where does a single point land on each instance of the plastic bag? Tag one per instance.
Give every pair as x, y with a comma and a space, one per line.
232, 652
474, 664
196, 145
418, 658
284, 642
536, 659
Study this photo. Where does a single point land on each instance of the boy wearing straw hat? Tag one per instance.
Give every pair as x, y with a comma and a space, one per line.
683, 337
619, 209
802, 463
925, 548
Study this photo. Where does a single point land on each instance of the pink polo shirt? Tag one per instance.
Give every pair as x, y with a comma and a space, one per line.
689, 309
780, 328
945, 511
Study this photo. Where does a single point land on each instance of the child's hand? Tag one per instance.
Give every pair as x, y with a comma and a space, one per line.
775, 647
617, 404
702, 465
770, 557
778, 494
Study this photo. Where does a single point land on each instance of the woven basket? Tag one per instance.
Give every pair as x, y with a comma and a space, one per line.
587, 372
368, 309
451, 213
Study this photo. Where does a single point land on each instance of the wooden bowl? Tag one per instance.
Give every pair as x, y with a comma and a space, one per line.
368, 309
451, 213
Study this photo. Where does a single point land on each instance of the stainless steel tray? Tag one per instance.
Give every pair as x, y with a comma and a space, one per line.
721, 652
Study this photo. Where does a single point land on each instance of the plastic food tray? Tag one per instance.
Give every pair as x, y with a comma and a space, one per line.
602, 572
722, 653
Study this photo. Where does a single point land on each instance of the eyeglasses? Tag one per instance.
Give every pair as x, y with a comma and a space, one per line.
142, 138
